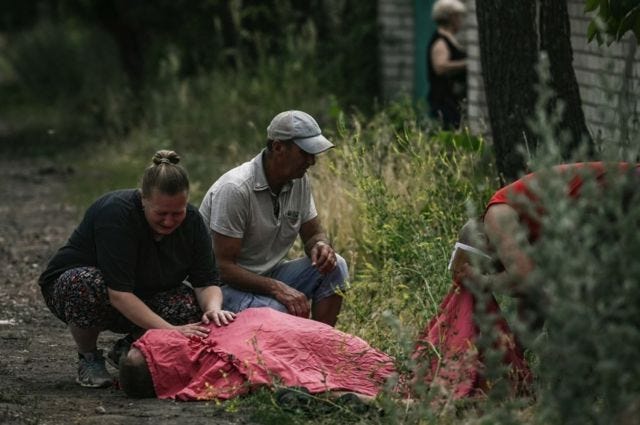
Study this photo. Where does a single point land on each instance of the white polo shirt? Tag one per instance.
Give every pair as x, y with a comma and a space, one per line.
239, 205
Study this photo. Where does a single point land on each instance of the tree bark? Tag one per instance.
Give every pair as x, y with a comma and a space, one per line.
555, 39
509, 52
116, 18
511, 37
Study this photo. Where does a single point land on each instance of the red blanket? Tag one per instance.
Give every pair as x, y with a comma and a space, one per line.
448, 344
262, 347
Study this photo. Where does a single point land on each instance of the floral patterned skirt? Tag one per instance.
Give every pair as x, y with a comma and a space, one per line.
79, 297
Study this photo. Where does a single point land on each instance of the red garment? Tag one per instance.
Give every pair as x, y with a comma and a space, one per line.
521, 197
261, 347
457, 367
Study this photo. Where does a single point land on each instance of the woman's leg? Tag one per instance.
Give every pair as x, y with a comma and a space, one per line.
79, 298
86, 339
178, 306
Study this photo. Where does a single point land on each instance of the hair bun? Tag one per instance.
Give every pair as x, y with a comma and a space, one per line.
165, 157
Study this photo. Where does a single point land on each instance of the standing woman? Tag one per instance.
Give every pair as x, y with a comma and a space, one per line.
446, 64
124, 266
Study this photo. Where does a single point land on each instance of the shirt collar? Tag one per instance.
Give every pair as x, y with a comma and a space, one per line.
260, 178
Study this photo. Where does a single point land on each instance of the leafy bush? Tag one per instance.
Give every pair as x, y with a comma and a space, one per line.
64, 62
588, 267
586, 264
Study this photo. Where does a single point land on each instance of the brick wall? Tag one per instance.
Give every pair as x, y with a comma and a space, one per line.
396, 22
477, 115
600, 72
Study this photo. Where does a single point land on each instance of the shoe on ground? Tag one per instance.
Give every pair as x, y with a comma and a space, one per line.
92, 372
352, 403
120, 348
294, 399
299, 400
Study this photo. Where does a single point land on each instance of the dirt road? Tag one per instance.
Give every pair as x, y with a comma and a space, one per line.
37, 356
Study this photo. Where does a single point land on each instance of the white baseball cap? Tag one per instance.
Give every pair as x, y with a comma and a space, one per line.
301, 128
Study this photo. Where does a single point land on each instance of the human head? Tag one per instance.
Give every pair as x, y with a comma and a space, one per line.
165, 193
471, 248
444, 11
135, 378
472, 234
164, 175
300, 128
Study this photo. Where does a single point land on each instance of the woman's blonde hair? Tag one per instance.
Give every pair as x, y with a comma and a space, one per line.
443, 9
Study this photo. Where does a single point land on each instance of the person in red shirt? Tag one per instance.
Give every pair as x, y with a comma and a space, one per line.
492, 255
512, 222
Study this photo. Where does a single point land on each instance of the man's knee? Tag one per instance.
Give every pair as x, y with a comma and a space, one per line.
342, 268
237, 301
336, 281
327, 309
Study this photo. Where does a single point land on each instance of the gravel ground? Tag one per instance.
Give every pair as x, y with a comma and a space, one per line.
37, 356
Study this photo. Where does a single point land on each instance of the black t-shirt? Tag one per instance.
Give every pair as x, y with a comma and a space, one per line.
114, 236
446, 90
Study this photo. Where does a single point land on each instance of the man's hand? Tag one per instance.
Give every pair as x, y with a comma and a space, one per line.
296, 302
219, 317
316, 246
323, 257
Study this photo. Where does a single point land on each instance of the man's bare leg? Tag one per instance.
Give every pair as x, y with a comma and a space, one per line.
327, 309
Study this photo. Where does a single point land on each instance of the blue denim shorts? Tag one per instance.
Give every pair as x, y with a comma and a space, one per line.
300, 275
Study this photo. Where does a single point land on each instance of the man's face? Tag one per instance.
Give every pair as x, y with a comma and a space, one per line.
165, 213
296, 162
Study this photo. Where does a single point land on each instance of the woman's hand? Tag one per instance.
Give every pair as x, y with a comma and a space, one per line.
192, 330
219, 317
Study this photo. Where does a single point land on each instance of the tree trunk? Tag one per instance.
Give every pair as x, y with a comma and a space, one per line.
555, 39
511, 38
509, 52
115, 19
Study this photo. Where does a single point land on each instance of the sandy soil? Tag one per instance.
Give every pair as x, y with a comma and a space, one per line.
37, 356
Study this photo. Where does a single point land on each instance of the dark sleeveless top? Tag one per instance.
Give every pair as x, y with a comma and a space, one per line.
446, 92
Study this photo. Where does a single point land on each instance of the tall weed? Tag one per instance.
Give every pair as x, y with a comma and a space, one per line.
393, 199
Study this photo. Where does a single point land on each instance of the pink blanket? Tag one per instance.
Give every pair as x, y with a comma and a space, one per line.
262, 347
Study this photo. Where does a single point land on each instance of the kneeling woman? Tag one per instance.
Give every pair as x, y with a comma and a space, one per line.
123, 269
